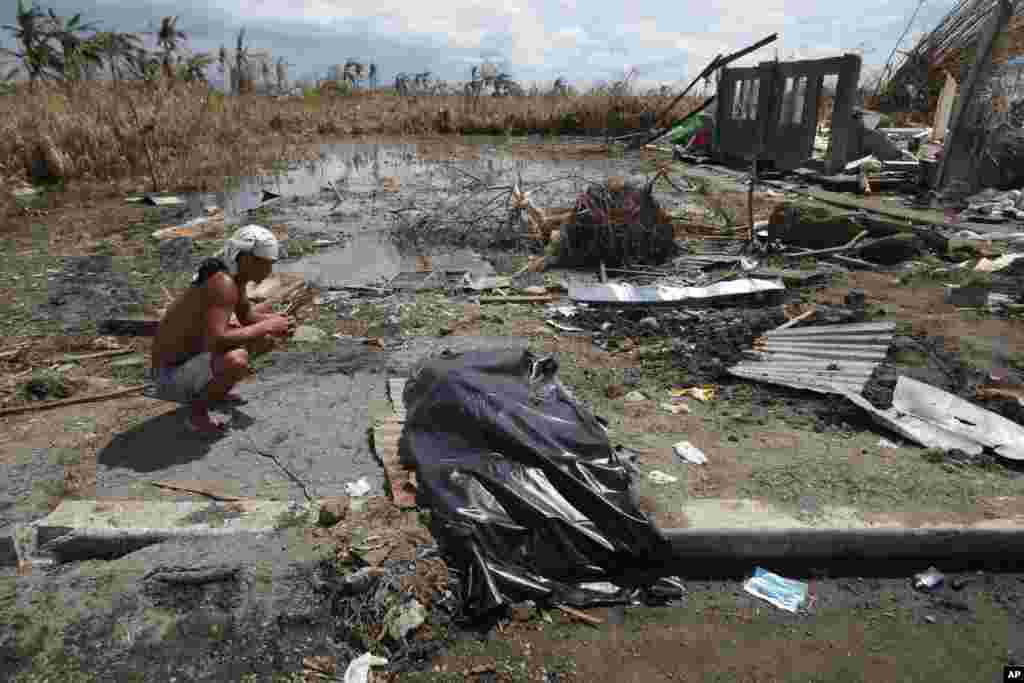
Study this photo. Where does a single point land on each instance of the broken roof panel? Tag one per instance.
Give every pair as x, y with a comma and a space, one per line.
828, 359
938, 419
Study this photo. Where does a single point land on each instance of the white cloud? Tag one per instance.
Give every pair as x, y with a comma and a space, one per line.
538, 39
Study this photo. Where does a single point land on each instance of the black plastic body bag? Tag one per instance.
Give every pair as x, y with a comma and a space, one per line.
527, 496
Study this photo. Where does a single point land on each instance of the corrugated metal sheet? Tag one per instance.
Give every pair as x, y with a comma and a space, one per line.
829, 359
938, 419
628, 294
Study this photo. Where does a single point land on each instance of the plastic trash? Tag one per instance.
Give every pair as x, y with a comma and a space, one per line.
787, 594
500, 445
703, 394
659, 477
358, 670
929, 579
403, 619
635, 396
687, 452
885, 443
675, 408
359, 488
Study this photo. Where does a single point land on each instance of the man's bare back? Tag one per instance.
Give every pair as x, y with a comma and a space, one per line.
182, 331
197, 355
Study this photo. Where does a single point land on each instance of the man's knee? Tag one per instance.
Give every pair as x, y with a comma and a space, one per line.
235, 361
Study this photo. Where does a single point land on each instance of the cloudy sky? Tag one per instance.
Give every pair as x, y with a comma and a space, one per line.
535, 40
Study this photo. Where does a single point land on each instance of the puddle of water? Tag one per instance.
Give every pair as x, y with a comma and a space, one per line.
371, 257
376, 179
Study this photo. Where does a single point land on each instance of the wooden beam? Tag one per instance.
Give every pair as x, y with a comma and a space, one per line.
965, 101
843, 123
70, 401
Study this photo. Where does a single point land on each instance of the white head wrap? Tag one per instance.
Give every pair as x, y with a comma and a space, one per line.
250, 239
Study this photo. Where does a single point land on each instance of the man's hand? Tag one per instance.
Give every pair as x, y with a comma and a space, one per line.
280, 325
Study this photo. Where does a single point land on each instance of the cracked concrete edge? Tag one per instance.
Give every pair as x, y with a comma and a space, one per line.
80, 529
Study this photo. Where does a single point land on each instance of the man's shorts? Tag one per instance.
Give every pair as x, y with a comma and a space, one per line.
184, 382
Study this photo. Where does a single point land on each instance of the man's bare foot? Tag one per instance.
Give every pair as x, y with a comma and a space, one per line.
206, 425
200, 421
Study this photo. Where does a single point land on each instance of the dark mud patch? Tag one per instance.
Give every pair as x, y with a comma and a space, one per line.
87, 290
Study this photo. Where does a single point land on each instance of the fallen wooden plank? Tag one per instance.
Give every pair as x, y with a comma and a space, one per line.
71, 401
796, 320
855, 261
582, 616
832, 250
386, 436
73, 358
199, 488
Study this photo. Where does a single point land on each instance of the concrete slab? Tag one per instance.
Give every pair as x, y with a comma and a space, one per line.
87, 529
298, 435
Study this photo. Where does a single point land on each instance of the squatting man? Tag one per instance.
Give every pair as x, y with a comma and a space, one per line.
199, 354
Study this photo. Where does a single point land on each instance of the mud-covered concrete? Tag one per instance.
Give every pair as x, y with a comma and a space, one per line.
123, 619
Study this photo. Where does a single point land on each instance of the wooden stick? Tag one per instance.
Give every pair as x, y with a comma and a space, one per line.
4, 355
855, 261
191, 489
750, 193
517, 299
833, 250
71, 401
795, 321
89, 356
582, 616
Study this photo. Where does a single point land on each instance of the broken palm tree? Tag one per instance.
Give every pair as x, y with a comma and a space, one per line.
542, 224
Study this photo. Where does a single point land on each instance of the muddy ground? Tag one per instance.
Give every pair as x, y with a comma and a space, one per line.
78, 264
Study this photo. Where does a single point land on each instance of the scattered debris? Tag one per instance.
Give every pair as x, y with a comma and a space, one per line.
936, 419
689, 453
322, 666
885, 443
333, 510
787, 594
635, 396
929, 579
357, 489
659, 477
361, 581
358, 670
